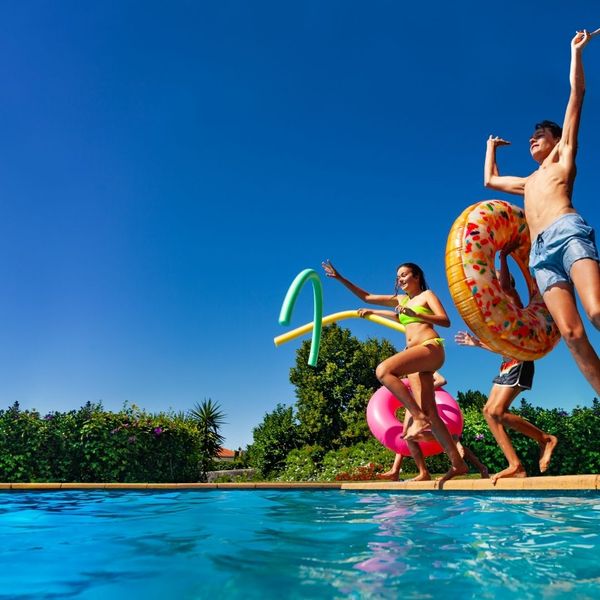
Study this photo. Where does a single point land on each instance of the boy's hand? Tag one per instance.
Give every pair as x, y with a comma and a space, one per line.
496, 141
582, 38
464, 338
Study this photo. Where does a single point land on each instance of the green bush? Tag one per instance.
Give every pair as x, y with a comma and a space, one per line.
94, 445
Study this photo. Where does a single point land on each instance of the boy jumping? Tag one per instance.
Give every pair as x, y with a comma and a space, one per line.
563, 251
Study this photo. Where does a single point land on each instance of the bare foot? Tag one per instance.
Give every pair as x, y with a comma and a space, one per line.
517, 471
420, 477
454, 471
485, 474
416, 428
546, 450
389, 475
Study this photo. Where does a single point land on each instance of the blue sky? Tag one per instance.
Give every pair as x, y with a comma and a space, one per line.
167, 169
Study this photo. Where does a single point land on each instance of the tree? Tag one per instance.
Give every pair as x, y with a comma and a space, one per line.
273, 439
332, 397
209, 419
471, 399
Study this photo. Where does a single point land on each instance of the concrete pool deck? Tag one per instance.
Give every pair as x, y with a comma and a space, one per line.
562, 482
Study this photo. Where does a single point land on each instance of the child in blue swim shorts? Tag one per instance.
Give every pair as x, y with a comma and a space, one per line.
555, 249
563, 258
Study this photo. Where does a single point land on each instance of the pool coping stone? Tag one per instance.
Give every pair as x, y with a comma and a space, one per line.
560, 482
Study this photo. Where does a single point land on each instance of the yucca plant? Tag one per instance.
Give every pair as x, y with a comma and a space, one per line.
209, 418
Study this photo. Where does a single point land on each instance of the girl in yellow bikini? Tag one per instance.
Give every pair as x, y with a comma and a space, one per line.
419, 310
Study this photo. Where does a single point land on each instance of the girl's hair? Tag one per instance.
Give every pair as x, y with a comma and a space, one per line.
416, 271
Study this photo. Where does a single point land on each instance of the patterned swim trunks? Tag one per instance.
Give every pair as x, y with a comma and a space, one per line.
515, 373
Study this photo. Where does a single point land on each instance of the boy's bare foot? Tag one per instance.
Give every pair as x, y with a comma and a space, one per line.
454, 471
388, 475
517, 471
546, 450
415, 429
420, 477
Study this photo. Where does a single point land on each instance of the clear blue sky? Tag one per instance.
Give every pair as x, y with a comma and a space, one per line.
166, 169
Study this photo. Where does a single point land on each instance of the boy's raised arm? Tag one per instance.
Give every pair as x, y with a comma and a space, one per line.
492, 178
577, 81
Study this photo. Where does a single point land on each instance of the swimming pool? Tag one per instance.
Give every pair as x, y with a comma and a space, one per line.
298, 544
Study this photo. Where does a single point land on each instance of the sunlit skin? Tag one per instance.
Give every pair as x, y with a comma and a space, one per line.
547, 196
418, 360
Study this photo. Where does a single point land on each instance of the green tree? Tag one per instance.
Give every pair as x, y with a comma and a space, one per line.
273, 440
332, 397
209, 419
471, 399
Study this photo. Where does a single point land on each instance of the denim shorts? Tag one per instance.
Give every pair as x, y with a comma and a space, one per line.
555, 249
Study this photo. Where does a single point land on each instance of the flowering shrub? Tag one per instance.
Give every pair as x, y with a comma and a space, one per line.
94, 445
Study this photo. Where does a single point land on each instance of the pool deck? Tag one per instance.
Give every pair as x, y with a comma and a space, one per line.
562, 482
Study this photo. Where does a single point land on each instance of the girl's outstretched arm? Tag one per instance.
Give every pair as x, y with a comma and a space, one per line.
381, 299
387, 314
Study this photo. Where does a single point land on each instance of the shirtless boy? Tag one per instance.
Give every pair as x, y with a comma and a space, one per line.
563, 252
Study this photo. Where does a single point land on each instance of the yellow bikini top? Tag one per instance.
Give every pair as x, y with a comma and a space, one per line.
406, 319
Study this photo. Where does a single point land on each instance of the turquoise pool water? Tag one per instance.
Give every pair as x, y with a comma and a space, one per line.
298, 544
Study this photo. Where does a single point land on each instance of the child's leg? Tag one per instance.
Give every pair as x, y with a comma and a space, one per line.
395, 470
439, 429
415, 451
498, 417
472, 458
561, 303
585, 274
411, 360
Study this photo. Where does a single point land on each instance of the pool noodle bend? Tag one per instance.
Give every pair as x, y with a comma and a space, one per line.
290, 300
339, 316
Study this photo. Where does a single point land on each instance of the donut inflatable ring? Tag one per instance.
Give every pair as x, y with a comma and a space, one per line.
482, 230
381, 417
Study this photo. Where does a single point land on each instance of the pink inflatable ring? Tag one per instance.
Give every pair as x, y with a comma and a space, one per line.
382, 421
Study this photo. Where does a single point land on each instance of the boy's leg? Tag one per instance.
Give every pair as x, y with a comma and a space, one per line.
561, 303
497, 415
585, 274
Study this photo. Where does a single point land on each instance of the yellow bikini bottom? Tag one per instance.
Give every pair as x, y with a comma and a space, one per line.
433, 342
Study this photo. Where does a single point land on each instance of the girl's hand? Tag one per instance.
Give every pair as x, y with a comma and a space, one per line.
405, 310
329, 269
363, 312
464, 338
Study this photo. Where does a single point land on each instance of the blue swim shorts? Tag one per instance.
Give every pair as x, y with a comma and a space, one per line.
555, 249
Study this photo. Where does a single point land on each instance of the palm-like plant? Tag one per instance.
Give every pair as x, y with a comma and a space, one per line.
209, 418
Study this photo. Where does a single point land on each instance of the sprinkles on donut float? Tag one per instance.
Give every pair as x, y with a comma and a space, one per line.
481, 231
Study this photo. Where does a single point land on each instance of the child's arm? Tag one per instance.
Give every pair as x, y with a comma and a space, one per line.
438, 380
464, 338
381, 299
505, 279
491, 176
387, 314
568, 140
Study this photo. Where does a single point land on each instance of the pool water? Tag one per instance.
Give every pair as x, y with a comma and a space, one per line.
298, 544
